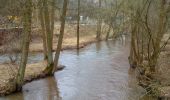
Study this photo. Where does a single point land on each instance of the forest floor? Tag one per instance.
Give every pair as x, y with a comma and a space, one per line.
34, 71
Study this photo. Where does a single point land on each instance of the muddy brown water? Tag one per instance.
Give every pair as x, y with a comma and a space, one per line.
99, 71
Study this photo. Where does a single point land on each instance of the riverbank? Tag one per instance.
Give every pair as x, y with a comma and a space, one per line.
160, 86
68, 44
87, 35
8, 73
33, 71
105, 75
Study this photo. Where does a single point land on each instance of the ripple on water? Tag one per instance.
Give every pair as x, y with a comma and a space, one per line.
97, 72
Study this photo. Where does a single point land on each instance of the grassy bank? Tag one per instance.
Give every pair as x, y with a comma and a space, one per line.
8, 73
33, 71
68, 43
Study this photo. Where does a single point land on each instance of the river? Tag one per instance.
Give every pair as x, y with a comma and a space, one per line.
99, 71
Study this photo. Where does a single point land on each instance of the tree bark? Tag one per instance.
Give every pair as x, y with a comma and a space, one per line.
57, 54
26, 40
49, 67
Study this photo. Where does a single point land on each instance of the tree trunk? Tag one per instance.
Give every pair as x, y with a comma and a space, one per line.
133, 57
52, 19
26, 39
78, 24
49, 68
57, 54
41, 17
161, 31
99, 25
108, 33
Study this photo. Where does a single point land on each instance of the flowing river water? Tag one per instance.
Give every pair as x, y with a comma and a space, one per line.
99, 71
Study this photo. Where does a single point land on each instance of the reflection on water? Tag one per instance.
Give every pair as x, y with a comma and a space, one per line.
44, 89
96, 72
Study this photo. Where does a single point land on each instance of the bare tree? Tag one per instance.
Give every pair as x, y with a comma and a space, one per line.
49, 37
57, 54
43, 29
27, 16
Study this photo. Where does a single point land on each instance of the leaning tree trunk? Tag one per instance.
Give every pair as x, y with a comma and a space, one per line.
26, 39
57, 54
49, 67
